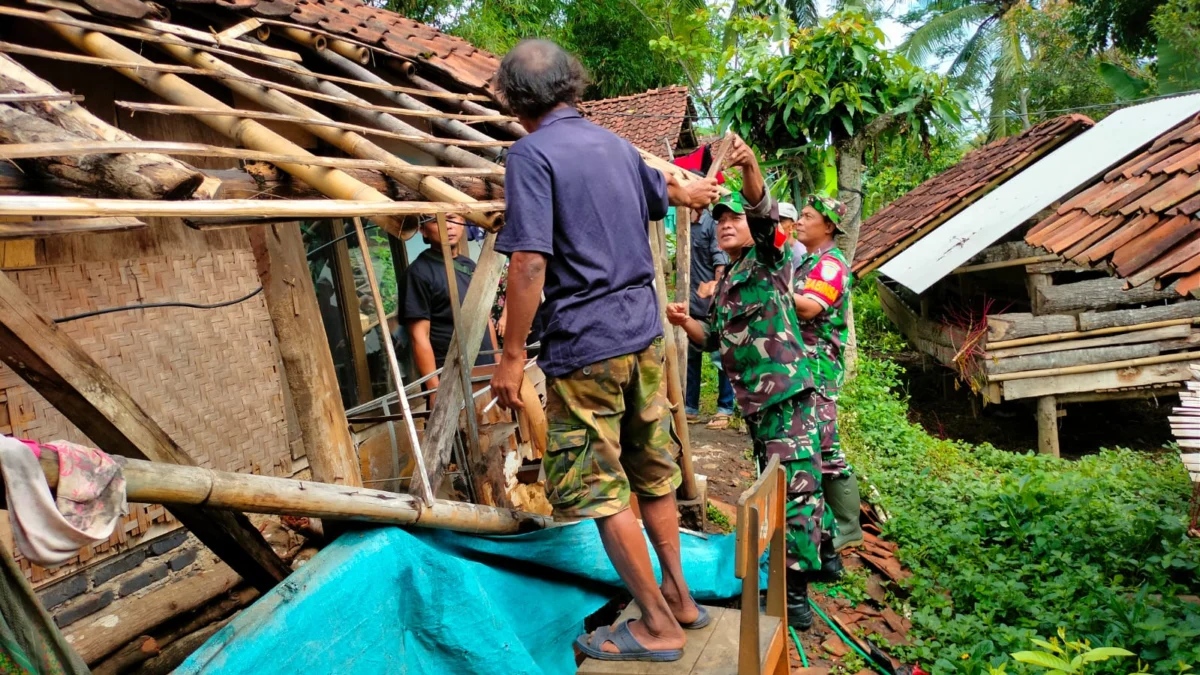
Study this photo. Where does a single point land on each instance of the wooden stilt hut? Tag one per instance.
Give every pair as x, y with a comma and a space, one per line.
1057, 265
198, 206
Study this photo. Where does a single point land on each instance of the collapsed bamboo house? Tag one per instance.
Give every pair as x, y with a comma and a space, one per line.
198, 206
1057, 265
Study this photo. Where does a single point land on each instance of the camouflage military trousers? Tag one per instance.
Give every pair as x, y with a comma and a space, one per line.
833, 459
788, 430
610, 432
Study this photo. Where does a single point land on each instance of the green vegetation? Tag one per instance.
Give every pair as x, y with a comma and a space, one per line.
1007, 547
717, 517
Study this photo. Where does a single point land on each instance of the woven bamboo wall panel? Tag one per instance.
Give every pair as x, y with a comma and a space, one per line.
210, 377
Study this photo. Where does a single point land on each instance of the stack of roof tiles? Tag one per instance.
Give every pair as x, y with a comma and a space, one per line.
1143, 217
355, 21
981, 171
646, 119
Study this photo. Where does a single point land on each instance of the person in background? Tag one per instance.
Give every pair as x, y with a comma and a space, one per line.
578, 201
787, 223
822, 285
708, 264
753, 321
426, 299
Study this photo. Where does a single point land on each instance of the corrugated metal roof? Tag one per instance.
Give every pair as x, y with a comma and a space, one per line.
977, 174
1056, 175
646, 119
1143, 217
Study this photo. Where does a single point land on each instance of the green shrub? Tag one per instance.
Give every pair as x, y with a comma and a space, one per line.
1007, 547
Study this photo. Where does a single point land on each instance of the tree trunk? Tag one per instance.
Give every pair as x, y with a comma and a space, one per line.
850, 176
135, 175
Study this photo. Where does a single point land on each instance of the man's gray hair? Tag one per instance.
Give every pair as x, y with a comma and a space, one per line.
536, 76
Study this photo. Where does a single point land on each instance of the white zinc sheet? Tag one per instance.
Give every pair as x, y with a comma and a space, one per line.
1059, 173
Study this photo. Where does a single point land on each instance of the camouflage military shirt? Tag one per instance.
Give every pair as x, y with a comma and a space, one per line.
824, 276
753, 319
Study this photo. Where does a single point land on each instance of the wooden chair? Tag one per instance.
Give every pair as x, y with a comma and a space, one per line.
742, 642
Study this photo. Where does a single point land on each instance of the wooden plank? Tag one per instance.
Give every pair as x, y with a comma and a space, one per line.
307, 362
115, 626
1016, 325
1091, 368
1106, 379
1127, 317
443, 421
672, 368
1178, 331
1007, 252
696, 644
347, 293
79, 388
1074, 357
60, 226
1098, 293
1154, 391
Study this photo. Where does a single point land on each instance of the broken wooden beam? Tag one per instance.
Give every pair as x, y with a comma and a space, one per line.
54, 365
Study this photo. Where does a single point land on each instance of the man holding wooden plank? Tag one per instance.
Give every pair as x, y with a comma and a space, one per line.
578, 201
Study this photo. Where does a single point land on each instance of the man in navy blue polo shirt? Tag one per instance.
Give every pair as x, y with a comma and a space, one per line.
578, 201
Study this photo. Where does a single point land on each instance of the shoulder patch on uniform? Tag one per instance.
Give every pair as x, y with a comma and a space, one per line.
829, 269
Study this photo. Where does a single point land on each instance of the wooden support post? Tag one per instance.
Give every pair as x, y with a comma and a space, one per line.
65, 375
1035, 283
464, 365
307, 362
443, 421
389, 348
683, 282
1047, 423
347, 293
688, 489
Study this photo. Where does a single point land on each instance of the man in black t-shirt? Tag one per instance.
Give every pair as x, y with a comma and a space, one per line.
426, 299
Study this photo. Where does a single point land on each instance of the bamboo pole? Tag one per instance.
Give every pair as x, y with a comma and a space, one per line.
456, 318
448, 125
80, 148
278, 117
173, 484
466, 104
360, 110
210, 38
1096, 367
22, 205
390, 349
688, 489
1060, 337
249, 133
683, 283
349, 142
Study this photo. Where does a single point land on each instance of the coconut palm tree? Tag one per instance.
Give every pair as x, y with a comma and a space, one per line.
985, 47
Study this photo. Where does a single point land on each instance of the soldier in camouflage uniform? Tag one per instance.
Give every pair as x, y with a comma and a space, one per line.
754, 324
822, 286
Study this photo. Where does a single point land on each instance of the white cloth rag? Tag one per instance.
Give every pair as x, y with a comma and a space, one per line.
90, 503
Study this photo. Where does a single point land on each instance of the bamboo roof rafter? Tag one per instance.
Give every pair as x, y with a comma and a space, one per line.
82, 207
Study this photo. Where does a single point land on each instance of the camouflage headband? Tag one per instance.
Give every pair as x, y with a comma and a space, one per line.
828, 207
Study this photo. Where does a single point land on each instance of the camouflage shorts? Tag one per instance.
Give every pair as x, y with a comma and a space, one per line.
788, 430
833, 459
610, 432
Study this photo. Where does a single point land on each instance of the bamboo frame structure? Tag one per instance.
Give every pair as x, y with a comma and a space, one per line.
278, 117
173, 484
38, 98
389, 348
78, 148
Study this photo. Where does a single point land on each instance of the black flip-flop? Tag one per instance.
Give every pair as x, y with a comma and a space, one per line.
629, 648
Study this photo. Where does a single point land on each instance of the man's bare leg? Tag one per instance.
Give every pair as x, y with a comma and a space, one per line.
661, 518
626, 548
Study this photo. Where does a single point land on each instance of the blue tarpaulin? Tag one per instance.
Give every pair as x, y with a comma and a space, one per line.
431, 602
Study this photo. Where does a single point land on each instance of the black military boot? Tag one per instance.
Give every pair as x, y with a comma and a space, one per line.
799, 614
831, 564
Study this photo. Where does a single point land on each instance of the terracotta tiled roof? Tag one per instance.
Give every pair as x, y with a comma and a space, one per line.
980, 172
1143, 216
449, 56
667, 115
